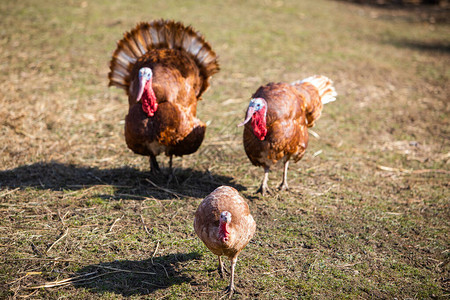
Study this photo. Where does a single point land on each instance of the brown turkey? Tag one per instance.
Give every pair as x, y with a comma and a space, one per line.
164, 67
280, 115
224, 223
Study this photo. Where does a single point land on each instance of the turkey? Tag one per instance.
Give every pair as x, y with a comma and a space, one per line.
164, 67
224, 223
277, 122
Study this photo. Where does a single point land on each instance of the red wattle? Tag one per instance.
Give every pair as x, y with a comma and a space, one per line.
149, 104
259, 124
223, 231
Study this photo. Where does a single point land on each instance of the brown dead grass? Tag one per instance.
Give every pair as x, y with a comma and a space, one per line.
367, 216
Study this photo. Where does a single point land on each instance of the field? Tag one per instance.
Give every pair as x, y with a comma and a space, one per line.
368, 212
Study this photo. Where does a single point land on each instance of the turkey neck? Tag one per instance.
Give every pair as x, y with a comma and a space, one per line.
259, 123
149, 104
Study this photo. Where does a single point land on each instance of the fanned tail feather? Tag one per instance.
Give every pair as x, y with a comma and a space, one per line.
156, 35
316, 90
325, 87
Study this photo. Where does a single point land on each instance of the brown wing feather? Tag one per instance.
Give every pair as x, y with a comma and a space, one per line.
190, 143
314, 105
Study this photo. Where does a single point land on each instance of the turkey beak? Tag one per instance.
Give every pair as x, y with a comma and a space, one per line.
226, 219
142, 82
250, 112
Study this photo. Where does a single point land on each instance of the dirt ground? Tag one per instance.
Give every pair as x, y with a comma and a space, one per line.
367, 215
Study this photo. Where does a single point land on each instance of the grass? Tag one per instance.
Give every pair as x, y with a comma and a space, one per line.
367, 217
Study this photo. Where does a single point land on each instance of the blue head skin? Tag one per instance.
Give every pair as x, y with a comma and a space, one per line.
145, 75
256, 104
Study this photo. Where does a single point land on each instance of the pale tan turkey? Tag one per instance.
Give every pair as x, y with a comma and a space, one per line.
224, 223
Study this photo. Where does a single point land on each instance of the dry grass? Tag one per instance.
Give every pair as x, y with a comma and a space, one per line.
368, 214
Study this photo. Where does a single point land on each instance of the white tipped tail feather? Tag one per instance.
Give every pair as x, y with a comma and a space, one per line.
160, 34
324, 85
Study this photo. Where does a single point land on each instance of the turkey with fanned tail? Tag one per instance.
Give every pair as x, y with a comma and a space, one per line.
164, 67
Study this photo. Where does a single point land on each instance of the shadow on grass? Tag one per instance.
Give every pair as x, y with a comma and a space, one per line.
423, 11
128, 183
435, 46
390, 4
143, 277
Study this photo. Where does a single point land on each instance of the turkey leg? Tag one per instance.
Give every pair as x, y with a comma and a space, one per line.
221, 268
284, 186
154, 167
264, 188
231, 289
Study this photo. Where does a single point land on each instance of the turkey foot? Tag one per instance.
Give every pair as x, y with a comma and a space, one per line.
283, 186
172, 173
264, 190
229, 291
171, 178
